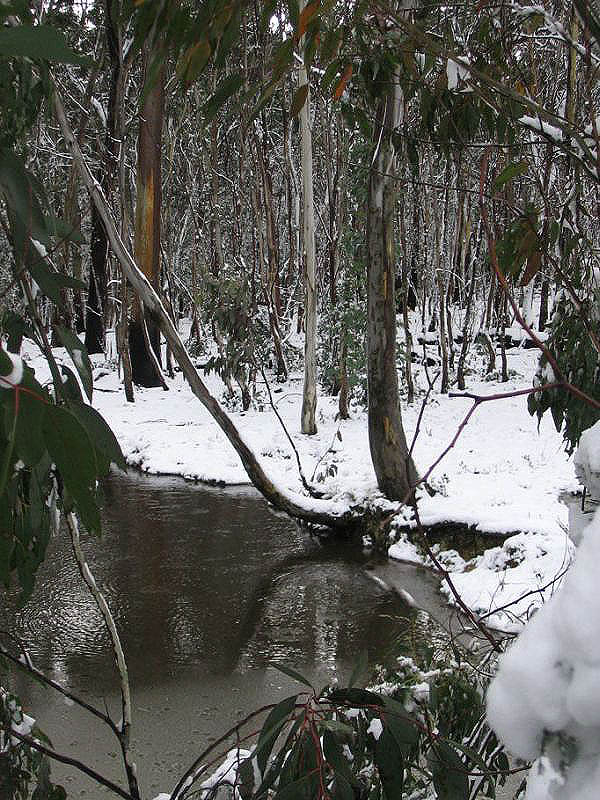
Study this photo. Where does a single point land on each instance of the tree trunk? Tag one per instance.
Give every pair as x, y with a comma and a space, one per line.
147, 229
309, 393
393, 466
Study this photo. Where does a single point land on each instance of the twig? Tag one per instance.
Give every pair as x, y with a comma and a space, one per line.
312, 491
72, 762
495, 644
421, 413
477, 401
329, 450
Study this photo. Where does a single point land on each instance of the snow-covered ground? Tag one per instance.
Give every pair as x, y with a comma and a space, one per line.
503, 475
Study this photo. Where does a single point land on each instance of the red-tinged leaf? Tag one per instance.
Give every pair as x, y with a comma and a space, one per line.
534, 262
339, 89
299, 100
308, 12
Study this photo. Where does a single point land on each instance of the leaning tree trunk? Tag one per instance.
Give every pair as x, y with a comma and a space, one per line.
145, 365
393, 465
312, 510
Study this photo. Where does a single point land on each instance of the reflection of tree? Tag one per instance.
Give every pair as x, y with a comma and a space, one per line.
318, 611
215, 579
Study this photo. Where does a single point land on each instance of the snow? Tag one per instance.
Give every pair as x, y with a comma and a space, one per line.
226, 773
15, 376
549, 682
375, 728
587, 460
456, 72
502, 476
539, 125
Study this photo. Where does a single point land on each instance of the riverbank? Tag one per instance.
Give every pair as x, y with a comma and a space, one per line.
503, 475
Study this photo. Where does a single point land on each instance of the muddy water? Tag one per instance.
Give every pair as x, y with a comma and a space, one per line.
208, 586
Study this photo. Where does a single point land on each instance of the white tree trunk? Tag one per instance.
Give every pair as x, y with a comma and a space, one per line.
309, 394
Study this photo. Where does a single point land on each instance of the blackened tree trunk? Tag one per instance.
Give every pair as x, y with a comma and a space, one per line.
96, 299
95, 321
145, 368
393, 465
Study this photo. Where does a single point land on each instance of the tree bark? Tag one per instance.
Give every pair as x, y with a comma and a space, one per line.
147, 228
309, 393
393, 465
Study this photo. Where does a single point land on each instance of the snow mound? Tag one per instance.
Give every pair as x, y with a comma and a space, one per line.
548, 682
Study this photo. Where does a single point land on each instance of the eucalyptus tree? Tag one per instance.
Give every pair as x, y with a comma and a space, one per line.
309, 394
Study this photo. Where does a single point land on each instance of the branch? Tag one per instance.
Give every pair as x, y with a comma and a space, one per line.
27, 666
72, 762
125, 728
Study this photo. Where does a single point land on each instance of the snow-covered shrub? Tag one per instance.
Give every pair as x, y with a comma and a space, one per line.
417, 732
544, 703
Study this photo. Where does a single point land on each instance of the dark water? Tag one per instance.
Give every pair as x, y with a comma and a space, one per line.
208, 586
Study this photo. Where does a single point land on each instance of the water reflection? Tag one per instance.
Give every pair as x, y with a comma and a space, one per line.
207, 586
202, 577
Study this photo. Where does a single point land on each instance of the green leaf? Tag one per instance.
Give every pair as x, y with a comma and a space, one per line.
292, 674
79, 356
299, 100
63, 230
6, 364
282, 760
557, 417
283, 58
301, 789
226, 89
449, 773
6, 550
71, 450
38, 42
510, 172
342, 789
334, 755
356, 697
17, 188
70, 387
335, 726
16, 327
401, 724
194, 60
294, 12
390, 764
45, 278
269, 9
29, 442
229, 37
271, 729
329, 75
106, 447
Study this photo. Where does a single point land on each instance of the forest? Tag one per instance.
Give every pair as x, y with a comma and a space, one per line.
343, 252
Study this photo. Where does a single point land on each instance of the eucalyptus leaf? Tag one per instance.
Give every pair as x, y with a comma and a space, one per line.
38, 42
79, 356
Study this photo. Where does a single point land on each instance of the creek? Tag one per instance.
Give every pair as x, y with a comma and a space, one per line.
209, 587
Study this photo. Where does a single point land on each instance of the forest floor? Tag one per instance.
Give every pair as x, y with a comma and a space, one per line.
504, 475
